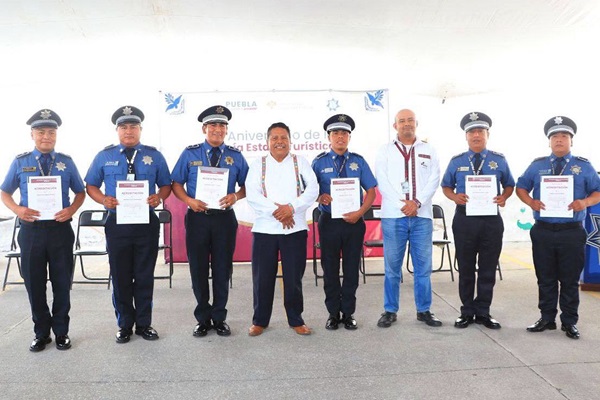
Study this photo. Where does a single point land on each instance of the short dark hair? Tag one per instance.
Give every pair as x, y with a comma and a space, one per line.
278, 125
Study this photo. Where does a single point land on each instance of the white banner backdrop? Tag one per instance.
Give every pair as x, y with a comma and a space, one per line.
303, 111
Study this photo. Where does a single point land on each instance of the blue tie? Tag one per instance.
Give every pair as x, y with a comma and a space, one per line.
340, 162
476, 162
214, 156
559, 164
45, 163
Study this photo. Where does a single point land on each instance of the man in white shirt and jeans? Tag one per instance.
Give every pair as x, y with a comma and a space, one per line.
408, 174
280, 187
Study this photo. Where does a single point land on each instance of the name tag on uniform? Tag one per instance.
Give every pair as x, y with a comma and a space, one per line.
463, 169
405, 188
327, 170
29, 169
111, 164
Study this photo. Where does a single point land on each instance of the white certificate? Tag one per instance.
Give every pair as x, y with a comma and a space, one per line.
44, 194
481, 190
556, 192
133, 207
345, 196
211, 185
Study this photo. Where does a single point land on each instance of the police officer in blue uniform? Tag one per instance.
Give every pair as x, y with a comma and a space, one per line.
558, 242
132, 248
478, 239
210, 230
341, 235
46, 242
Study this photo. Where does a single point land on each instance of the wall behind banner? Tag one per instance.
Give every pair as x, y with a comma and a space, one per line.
303, 111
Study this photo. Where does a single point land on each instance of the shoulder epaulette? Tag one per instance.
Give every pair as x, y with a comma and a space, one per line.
582, 159
65, 155
357, 155
233, 149
193, 146
458, 155
23, 154
110, 146
149, 147
321, 155
496, 153
540, 158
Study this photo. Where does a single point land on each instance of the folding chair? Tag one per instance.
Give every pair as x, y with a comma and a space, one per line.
442, 243
316, 244
166, 244
373, 214
93, 219
14, 253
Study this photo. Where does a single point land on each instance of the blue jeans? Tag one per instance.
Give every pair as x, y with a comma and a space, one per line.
396, 233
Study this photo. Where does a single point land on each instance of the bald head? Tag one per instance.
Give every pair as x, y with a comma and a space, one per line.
406, 126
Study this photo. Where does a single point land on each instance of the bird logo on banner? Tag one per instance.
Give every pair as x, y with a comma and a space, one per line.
175, 105
373, 100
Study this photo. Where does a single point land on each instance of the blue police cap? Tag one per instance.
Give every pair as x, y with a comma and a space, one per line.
45, 118
127, 114
215, 114
474, 120
560, 124
339, 122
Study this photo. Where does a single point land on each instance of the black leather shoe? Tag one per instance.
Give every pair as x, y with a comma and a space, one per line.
349, 322
429, 318
124, 335
202, 329
63, 342
222, 328
463, 321
387, 319
541, 325
332, 322
39, 344
571, 331
487, 321
148, 333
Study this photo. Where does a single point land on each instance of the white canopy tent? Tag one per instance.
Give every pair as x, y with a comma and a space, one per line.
520, 62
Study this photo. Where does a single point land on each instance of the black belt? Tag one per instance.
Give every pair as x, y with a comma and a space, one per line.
214, 211
44, 224
558, 227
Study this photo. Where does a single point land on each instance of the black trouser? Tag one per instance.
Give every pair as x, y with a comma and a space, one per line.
132, 253
478, 244
265, 251
47, 243
559, 257
338, 237
210, 240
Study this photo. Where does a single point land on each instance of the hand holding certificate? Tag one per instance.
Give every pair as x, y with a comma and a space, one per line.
345, 194
211, 185
44, 195
133, 207
481, 189
556, 192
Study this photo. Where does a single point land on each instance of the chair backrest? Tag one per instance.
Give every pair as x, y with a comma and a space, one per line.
13, 243
165, 217
90, 218
373, 214
438, 213
315, 219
